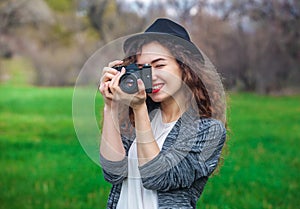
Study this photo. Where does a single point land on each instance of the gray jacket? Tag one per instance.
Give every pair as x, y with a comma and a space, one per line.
180, 171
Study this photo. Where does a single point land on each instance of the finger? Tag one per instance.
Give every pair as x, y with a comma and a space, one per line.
107, 77
123, 71
112, 84
141, 86
115, 81
108, 74
114, 63
102, 88
106, 93
109, 70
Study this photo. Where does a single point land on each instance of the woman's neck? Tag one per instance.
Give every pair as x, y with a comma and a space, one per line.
173, 108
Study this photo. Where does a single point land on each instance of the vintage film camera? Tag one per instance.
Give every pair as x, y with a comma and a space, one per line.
128, 81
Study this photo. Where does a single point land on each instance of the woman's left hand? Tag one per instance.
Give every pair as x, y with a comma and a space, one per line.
133, 100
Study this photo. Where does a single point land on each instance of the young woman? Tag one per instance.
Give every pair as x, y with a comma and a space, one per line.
159, 148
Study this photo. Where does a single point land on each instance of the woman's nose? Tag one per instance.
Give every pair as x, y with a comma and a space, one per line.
154, 74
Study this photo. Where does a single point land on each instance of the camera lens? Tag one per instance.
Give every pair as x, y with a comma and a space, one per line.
128, 83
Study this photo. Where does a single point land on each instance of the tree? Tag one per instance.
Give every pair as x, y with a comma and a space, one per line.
18, 13
96, 12
273, 44
112, 20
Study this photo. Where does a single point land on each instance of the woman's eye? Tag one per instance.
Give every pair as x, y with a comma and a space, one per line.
159, 66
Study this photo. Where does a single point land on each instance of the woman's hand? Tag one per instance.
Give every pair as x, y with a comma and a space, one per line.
110, 89
132, 100
107, 75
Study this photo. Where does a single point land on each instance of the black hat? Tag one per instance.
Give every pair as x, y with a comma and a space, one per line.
163, 27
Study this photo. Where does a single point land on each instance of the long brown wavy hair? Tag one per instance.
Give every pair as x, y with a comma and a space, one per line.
198, 74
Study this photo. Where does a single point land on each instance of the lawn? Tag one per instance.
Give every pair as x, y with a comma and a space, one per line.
44, 166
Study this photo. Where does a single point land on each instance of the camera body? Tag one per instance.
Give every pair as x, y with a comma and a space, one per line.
128, 81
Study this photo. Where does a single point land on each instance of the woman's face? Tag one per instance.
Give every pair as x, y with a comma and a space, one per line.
166, 73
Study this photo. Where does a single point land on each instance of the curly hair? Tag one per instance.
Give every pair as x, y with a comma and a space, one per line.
198, 75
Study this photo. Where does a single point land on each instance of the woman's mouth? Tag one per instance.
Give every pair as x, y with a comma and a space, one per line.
156, 88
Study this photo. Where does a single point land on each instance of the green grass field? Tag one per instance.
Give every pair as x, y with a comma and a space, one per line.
44, 166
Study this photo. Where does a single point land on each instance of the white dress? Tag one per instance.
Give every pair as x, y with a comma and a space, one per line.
133, 194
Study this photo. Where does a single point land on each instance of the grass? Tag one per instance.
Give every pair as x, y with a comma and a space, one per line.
44, 166
42, 162
16, 71
262, 167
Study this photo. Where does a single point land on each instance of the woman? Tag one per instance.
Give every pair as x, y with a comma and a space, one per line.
162, 154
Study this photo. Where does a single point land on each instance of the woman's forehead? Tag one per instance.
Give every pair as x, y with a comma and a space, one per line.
153, 51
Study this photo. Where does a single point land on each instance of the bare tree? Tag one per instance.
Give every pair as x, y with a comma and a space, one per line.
96, 12
113, 19
17, 13
266, 42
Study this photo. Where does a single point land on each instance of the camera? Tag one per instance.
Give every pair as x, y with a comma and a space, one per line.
128, 81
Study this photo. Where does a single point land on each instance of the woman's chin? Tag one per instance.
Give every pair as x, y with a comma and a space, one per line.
156, 97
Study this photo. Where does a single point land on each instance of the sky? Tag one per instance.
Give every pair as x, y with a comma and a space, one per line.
171, 11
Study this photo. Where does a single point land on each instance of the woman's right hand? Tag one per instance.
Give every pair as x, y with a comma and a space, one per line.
108, 74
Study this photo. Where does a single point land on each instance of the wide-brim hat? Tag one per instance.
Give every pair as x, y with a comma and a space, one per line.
169, 30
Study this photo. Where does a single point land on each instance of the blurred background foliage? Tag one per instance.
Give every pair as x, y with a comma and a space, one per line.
255, 44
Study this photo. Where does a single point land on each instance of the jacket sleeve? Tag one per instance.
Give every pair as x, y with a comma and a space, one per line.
195, 154
116, 171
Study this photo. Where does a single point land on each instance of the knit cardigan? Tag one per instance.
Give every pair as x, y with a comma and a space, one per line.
180, 171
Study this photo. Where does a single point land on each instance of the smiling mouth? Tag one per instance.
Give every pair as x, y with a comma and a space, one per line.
156, 88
